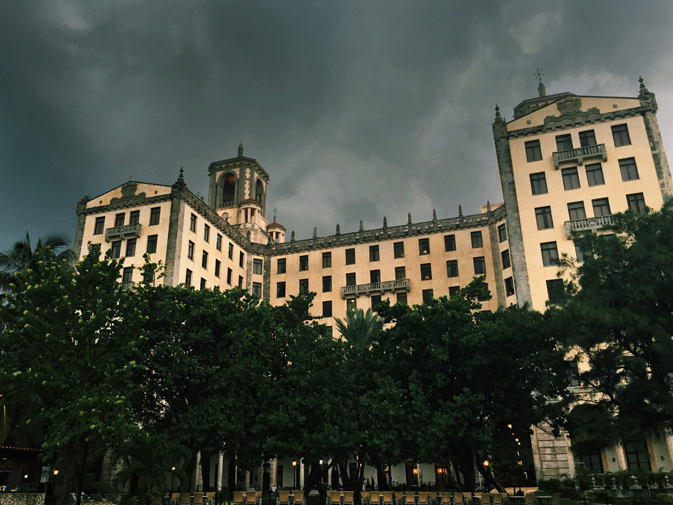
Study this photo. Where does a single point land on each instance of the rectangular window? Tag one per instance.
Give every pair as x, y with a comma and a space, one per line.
327, 283
116, 248
152, 244
479, 265
350, 256
426, 272
257, 289
453, 290
636, 203
240, 281
374, 253
637, 455
620, 134
427, 296
188, 277
155, 216
206, 233
506, 261
595, 174
204, 260
229, 272
350, 279
280, 289
452, 268
587, 138
374, 276
581, 250
484, 297
629, 169
257, 266
402, 298
423, 246
192, 223
509, 286
131, 247
241, 259
564, 142
502, 232
549, 254
231, 251
303, 262
134, 217
477, 240
538, 183
281, 265
327, 260
148, 276
127, 276
375, 299
351, 304
218, 265
533, 151
400, 273
543, 217
119, 220
203, 283
218, 242
592, 460
571, 179
449, 242
327, 308
100, 226
601, 207
398, 249
576, 211
303, 285
190, 250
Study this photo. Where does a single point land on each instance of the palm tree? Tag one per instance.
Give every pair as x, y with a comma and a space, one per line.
21, 257
359, 327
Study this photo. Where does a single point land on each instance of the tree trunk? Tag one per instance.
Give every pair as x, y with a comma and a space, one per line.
382, 479
488, 477
345, 477
206, 456
231, 471
82, 471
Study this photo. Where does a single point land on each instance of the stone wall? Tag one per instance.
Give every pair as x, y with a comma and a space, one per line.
21, 498
551, 454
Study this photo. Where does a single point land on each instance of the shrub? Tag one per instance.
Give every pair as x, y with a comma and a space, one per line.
664, 499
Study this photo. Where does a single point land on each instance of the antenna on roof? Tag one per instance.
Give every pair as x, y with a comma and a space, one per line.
540, 87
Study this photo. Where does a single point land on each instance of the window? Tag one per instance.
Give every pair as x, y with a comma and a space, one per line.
543, 217
426, 272
571, 179
134, 217
595, 174
427, 296
636, 203
229, 272
206, 233
502, 232
257, 266
423, 246
538, 183
581, 250
131, 247
95, 249
190, 250
152, 244
549, 254
327, 283
477, 240
376, 299
155, 216
240, 281
204, 260
452, 268
192, 223
587, 138
398, 249
281, 265
400, 273
533, 151
350, 256
218, 242
327, 260
350, 279
402, 298
453, 290
218, 264
637, 455
127, 276
485, 296
119, 220
148, 276
555, 292
449, 242
203, 283
629, 169
280, 289
303, 285
231, 251
509, 286
591, 459
257, 289
351, 304
374, 253
374, 276
327, 308
303, 262
601, 207
479, 265
188, 277
576, 211
116, 248
506, 261
241, 259
564, 142
100, 226
620, 134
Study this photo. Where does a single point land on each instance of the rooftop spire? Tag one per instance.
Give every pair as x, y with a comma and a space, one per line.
540, 87
181, 179
240, 150
498, 117
643, 88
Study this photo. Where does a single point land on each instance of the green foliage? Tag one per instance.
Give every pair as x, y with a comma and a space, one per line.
663, 499
624, 479
565, 487
359, 327
584, 477
601, 496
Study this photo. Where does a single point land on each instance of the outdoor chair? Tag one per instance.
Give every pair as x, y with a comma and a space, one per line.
497, 498
185, 498
210, 497
298, 498
387, 498
457, 498
198, 498
175, 498
283, 498
365, 498
334, 497
505, 497
530, 499
409, 498
239, 497
467, 498
485, 498
348, 497
424, 499
375, 498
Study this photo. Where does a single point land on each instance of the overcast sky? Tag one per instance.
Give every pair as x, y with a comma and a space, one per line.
357, 110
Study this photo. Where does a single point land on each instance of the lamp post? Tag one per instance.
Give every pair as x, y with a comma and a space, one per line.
294, 472
172, 479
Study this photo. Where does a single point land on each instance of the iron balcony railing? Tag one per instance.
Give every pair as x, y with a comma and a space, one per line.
122, 232
591, 224
375, 287
579, 154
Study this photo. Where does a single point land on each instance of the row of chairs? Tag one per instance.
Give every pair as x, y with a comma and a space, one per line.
196, 498
391, 498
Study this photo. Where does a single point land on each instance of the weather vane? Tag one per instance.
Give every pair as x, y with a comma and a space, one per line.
538, 73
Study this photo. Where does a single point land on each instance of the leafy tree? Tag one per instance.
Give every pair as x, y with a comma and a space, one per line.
359, 328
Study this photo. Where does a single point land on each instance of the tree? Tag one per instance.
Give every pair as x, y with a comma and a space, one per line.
359, 328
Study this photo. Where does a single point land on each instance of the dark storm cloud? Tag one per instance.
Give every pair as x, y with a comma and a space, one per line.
356, 109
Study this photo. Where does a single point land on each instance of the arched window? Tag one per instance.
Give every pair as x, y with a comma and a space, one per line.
228, 188
259, 191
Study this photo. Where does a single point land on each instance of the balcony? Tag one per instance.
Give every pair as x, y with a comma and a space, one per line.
591, 224
122, 232
375, 287
577, 156
126, 285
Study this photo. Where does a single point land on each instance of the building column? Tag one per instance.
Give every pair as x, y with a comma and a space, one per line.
220, 465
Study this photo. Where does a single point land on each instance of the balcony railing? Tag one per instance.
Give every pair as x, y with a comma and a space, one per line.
579, 155
375, 287
226, 205
126, 285
122, 232
591, 224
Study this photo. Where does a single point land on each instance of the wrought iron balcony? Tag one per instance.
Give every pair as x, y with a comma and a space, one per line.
375, 287
122, 232
579, 154
591, 224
